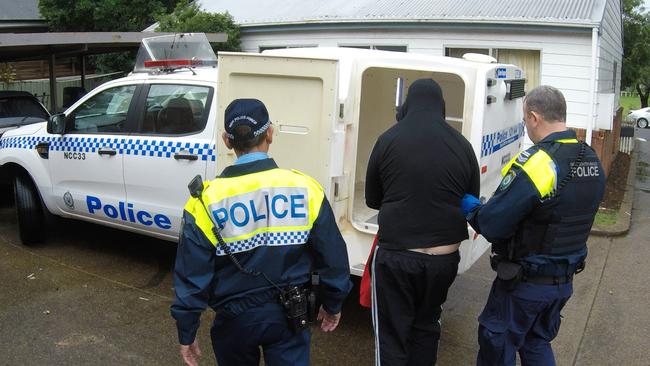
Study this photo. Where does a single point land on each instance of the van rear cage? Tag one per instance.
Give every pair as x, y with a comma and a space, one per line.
515, 88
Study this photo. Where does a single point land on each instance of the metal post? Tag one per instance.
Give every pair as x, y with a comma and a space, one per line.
82, 61
52, 64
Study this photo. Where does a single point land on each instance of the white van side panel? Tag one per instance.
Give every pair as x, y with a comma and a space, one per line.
499, 133
300, 95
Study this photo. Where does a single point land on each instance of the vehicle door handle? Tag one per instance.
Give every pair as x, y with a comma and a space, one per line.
105, 151
183, 155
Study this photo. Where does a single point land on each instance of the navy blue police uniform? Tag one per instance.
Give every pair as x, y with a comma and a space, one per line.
274, 221
538, 222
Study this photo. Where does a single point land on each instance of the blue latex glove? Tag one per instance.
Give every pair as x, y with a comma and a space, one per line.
469, 203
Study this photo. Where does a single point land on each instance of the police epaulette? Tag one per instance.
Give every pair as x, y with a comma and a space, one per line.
523, 157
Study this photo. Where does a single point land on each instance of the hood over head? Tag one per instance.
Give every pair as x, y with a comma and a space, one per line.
424, 96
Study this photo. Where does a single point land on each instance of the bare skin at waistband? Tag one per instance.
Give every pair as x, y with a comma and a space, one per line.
441, 250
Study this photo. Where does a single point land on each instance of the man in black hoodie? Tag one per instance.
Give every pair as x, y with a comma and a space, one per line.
418, 172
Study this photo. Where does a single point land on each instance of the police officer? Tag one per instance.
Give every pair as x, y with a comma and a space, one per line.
278, 225
538, 222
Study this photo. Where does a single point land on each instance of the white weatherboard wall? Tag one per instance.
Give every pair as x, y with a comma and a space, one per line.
611, 50
565, 57
609, 63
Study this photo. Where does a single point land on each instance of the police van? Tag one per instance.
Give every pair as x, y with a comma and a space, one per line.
122, 155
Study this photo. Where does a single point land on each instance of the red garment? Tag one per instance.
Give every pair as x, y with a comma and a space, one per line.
365, 288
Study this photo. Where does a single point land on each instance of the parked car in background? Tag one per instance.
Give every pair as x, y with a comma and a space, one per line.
19, 108
640, 117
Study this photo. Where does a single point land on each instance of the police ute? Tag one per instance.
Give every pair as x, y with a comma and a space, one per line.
122, 155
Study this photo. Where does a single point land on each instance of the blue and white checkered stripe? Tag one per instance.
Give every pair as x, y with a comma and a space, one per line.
267, 239
498, 140
123, 145
23, 142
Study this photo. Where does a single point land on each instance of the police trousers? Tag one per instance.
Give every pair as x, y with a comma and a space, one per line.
237, 341
524, 320
409, 289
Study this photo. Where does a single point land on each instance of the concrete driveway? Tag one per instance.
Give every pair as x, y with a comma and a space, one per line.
96, 296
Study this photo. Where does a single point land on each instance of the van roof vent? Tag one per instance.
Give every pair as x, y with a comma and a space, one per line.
477, 57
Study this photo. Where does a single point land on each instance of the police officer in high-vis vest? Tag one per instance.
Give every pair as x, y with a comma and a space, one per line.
538, 222
275, 229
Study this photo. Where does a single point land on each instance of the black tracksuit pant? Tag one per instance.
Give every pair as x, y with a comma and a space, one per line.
408, 291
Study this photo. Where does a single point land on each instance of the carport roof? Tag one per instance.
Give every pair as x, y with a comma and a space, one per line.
34, 46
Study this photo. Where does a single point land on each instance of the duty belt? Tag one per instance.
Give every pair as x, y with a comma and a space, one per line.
548, 280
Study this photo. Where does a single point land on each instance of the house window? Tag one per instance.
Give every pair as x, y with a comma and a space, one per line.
614, 77
265, 48
377, 47
390, 48
528, 60
459, 52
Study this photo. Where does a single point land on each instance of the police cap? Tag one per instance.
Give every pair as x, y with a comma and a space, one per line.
246, 112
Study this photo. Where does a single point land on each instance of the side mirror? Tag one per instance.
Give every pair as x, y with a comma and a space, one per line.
196, 187
56, 124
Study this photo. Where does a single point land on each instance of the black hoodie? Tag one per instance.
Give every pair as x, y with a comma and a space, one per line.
418, 171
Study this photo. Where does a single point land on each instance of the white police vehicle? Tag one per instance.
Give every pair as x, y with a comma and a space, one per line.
123, 155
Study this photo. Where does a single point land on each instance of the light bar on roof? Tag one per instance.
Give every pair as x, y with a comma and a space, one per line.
177, 62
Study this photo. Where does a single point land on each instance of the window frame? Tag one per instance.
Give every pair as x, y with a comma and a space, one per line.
129, 125
142, 109
377, 47
262, 48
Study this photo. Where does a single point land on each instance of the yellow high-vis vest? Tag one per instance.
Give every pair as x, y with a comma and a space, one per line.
269, 208
540, 168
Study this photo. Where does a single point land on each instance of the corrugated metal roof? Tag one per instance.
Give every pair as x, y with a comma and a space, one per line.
19, 10
268, 12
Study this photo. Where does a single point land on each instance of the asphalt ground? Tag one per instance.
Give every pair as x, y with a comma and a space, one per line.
91, 295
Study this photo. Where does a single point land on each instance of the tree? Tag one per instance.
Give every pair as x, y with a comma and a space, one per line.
188, 17
636, 53
7, 73
104, 16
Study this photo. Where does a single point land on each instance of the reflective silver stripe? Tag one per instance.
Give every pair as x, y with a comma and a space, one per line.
375, 315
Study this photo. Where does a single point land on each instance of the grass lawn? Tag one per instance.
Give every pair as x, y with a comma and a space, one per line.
605, 217
630, 103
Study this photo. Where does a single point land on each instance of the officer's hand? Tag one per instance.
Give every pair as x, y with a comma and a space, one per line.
191, 353
469, 203
329, 322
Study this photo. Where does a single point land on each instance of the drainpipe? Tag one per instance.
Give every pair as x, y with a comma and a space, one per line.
591, 122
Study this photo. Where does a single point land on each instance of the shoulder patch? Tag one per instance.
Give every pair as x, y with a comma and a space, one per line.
506, 181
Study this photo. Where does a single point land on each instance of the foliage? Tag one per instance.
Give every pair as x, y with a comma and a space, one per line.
629, 103
188, 17
104, 16
606, 217
636, 53
7, 73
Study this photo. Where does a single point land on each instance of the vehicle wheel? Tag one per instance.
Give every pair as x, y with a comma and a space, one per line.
31, 223
642, 123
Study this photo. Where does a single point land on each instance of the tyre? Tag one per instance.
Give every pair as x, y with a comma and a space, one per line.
642, 123
29, 211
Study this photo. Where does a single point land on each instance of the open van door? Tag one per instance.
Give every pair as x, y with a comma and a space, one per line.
301, 97
502, 135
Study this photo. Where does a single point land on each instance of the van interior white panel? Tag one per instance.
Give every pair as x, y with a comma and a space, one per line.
379, 94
